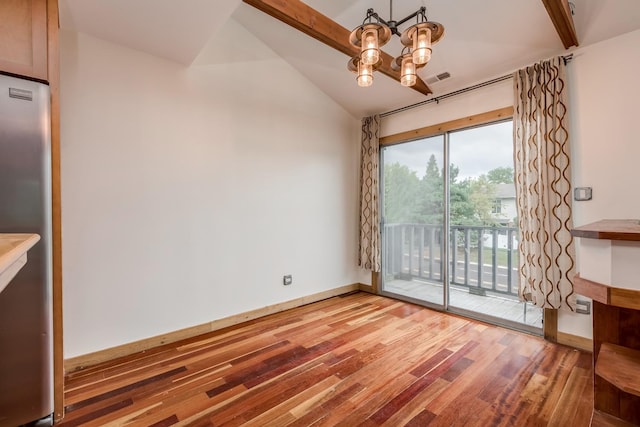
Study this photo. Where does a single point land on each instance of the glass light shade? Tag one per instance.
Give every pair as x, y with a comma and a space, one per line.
421, 46
408, 71
365, 74
370, 53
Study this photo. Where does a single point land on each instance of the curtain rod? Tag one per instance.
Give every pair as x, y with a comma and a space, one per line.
437, 99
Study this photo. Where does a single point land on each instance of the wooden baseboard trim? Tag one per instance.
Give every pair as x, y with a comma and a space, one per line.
87, 360
366, 288
575, 341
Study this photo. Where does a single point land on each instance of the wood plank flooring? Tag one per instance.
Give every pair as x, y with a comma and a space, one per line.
355, 360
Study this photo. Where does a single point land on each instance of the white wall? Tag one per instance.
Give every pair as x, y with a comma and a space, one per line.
489, 98
603, 96
189, 192
604, 92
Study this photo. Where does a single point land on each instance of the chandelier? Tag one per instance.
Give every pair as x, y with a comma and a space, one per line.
376, 32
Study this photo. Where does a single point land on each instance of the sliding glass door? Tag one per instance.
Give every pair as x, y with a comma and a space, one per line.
450, 225
413, 220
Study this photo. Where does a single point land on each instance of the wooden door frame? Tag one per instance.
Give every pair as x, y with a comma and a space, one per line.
53, 65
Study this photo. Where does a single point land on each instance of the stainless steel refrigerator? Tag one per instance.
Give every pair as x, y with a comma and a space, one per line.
26, 349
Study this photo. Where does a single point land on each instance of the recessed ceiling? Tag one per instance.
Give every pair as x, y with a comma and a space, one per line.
483, 39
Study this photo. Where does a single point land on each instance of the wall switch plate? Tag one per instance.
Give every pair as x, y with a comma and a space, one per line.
287, 280
581, 194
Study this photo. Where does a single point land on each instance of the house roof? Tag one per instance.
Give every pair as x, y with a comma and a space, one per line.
505, 191
483, 39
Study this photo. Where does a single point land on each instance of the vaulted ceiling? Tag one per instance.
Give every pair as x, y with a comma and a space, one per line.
483, 39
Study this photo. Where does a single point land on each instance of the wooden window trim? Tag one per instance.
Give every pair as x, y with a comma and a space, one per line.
438, 129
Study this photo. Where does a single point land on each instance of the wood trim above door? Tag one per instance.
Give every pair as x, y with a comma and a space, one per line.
440, 128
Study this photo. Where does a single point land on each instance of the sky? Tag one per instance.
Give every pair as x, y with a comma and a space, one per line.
475, 151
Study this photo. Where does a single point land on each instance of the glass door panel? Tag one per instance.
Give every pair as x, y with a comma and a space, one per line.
413, 220
449, 200
483, 226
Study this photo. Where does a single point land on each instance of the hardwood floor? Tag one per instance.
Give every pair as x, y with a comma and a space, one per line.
355, 360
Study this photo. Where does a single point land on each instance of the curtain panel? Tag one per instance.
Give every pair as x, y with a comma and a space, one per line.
543, 186
369, 251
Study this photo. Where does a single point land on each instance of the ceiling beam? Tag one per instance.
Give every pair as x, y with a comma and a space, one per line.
560, 14
312, 23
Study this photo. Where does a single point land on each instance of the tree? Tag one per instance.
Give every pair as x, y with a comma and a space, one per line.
501, 175
461, 210
483, 196
401, 194
431, 203
409, 199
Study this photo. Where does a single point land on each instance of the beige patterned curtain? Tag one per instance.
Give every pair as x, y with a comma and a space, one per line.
543, 186
369, 253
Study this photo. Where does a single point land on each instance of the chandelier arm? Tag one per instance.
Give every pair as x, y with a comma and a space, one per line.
382, 21
393, 25
413, 15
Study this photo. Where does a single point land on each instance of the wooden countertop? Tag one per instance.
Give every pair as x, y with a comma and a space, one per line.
606, 294
13, 254
610, 229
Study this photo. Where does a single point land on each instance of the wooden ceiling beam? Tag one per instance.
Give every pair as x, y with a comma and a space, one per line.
314, 24
560, 14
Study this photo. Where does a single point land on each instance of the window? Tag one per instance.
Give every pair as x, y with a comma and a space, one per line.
496, 208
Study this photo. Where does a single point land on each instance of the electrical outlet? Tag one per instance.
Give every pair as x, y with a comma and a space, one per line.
287, 280
583, 306
581, 194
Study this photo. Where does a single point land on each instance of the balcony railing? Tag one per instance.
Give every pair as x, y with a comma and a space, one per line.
482, 259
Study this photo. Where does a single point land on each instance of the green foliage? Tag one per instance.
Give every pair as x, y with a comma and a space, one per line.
409, 199
501, 175
430, 197
401, 194
483, 195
